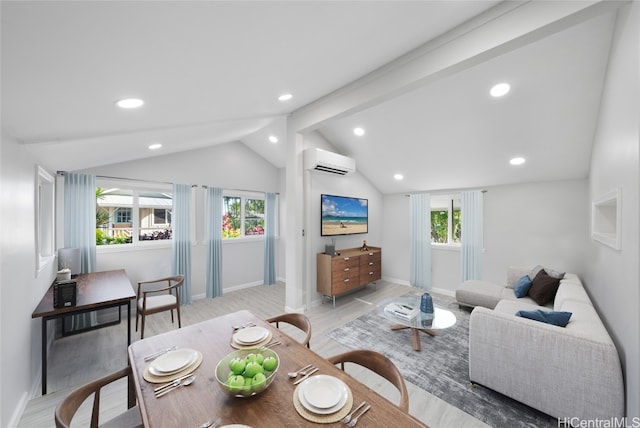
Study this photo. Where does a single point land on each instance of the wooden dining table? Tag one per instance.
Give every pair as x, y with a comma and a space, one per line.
191, 406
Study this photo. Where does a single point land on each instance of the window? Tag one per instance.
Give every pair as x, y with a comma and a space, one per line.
129, 216
242, 215
445, 220
44, 222
123, 215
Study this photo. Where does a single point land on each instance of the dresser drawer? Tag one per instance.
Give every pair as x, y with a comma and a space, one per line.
370, 275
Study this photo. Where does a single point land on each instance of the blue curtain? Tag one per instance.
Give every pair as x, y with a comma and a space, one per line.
181, 239
214, 242
471, 223
270, 239
420, 207
80, 230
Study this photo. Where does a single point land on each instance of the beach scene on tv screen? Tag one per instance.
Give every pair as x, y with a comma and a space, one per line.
344, 216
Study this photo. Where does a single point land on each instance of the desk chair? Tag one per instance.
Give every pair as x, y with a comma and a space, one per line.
296, 319
151, 299
377, 363
67, 408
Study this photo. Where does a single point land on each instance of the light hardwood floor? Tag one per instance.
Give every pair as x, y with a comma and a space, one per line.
77, 359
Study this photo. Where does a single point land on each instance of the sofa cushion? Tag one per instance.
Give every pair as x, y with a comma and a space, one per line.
479, 293
543, 288
552, 273
559, 318
570, 290
522, 286
514, 273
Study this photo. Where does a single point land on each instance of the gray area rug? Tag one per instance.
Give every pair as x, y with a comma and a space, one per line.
441, 368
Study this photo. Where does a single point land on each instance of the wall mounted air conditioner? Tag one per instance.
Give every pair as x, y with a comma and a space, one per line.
333, 163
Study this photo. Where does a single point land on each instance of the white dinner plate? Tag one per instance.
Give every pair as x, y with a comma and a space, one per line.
250, 335
323, 394
173, 361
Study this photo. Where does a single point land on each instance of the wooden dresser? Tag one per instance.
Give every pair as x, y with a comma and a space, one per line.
351, 268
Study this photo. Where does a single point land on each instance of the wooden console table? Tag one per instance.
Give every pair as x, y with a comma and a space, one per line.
97, 290
347, 270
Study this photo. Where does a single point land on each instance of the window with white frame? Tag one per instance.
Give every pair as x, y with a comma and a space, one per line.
44, 222
132, 215
242, 214
445, 219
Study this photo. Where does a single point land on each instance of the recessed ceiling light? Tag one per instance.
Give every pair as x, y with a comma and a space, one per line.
398, 176
155, 146
285, 97
358, 131
500, 90
517, 161
273, 139
129, 103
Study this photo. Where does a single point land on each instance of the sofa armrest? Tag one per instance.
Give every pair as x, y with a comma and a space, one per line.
545, 366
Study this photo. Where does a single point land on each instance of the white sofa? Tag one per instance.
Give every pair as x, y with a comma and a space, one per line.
566, 372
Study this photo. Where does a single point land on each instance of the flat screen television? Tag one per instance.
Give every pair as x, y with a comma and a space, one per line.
343, 215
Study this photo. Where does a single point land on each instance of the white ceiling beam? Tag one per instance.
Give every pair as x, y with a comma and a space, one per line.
504, 28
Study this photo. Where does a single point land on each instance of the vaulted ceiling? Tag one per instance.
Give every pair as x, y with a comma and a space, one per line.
211, 73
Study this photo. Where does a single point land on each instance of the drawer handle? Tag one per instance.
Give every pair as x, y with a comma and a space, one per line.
370, 273
346, 258
371, 254
370, 263
346, 280
346, 269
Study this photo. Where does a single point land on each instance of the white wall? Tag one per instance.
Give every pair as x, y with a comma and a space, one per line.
612, 276
230, 166
525, 224
354, 185
21, 288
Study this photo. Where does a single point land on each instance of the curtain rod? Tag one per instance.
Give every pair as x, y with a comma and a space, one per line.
123, 179
441, 192
204, 186
162, 182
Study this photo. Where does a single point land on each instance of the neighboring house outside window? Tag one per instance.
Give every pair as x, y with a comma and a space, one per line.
445, 220
129, 216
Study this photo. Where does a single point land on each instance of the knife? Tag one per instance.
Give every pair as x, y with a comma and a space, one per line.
305, 376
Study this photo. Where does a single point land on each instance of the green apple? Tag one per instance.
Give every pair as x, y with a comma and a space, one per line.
247, 383
258, 382
252, 369
250, 358
237, 365
270, 363
236, 383
259, 358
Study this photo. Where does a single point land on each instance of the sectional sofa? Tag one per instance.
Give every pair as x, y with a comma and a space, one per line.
566, 372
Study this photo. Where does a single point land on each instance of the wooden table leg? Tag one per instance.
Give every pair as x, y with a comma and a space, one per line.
416, 339
399, 327
429, 332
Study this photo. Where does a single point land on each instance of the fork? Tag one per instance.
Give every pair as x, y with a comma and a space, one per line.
347, 418
354, 421
212, 423
306, 375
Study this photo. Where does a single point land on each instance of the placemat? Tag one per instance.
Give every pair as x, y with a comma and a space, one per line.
162, 379
266, 340
323, 419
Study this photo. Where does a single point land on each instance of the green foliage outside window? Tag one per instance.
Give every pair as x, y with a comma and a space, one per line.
231, 217
439, 226
254, 217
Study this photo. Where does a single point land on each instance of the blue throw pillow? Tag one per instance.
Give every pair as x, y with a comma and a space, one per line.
561, 319
521, 288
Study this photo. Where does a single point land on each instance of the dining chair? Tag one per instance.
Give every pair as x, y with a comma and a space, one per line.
67, 408
152, 299
296, 319
377, 363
